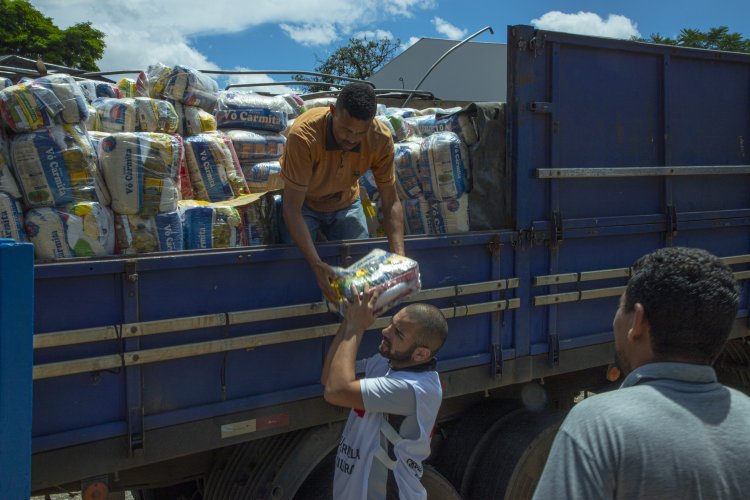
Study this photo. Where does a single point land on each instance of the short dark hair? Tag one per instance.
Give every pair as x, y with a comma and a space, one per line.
433, 327
690, 299
358, 99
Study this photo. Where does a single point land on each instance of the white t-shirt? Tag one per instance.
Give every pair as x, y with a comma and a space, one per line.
362, 458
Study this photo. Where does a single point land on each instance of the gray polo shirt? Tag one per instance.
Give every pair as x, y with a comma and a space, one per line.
670, 431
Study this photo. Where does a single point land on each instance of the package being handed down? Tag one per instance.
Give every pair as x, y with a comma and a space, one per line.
393, 276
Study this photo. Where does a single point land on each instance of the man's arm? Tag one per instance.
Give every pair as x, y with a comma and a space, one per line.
292, 210
341, 385
393, 217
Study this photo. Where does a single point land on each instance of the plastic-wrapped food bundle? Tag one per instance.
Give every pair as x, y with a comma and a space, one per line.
191, 87
444, 166
11, 218
296, 104
158, 233
79, 230
69, 94
139, 114
92, 122
438, 111
251, 110
458, 123
141, 170
192, 120
255, 146
402, 112
399, 127
27, 106
92, 89
8, 183
211, 226
436, 217
55, 166
393, 276
263, 176
126, 87
151, 83
320, 102
5, 82
214, 173
406, 161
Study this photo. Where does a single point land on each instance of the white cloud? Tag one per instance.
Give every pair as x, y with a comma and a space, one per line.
140, 32
588, 23
410, 42
374, 35
311, 34
447, 29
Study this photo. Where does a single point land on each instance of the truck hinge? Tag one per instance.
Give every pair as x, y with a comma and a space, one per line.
541, 107
496, 367
556, 236
131, 270
671, 221
494, 245
553, 349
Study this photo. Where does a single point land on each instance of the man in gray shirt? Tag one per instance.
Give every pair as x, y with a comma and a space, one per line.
671, 430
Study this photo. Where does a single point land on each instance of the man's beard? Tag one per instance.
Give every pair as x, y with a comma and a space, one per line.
400, 357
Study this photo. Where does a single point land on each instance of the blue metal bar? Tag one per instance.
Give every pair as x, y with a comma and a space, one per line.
16, 359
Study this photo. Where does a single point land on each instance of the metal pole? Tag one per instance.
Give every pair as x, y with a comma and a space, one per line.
443, 57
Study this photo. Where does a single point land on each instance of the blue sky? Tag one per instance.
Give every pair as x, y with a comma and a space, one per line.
290, 34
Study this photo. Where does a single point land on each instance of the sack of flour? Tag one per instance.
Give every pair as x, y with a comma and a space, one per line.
192, 120
144, 234
56, 166
444, 166
436, 217
11, 218
406, 162
211, 226
393, 276
142, 171
250, 110
82, 229
254, 146
215, 175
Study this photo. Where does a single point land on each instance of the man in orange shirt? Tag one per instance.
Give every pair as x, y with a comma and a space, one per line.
326, 152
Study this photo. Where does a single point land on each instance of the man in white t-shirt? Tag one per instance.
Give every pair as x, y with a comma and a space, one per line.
387, 435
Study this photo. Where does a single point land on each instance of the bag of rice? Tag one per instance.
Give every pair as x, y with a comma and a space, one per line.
158, 233
141, 170
215, 175
55, 166
436, 217
444, 165
82, 229
11, 218
393, 276
250, 110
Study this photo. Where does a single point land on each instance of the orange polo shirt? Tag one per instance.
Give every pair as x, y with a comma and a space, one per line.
314, 163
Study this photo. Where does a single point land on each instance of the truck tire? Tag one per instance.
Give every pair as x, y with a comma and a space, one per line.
437, 486
462, 438
184, 491
509, 466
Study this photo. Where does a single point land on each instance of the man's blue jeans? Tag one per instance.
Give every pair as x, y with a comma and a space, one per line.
345, 224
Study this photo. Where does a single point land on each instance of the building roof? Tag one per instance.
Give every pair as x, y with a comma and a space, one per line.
475, 71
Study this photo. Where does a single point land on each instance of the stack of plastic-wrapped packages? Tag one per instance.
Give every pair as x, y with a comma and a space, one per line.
91, 168
432, 168
51, 188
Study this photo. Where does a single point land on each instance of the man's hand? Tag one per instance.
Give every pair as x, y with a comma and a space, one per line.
323, 275
359, 314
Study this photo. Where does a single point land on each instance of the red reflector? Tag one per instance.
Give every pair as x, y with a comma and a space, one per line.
272, 421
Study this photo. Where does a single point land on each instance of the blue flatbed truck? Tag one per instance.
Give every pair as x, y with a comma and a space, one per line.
196, 374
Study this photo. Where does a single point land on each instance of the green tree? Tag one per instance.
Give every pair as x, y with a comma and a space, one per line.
359, 58
715, 38
26, 32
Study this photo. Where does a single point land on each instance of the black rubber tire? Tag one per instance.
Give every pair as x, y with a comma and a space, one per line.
510, 466
456, 450
319, 483
184, 491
